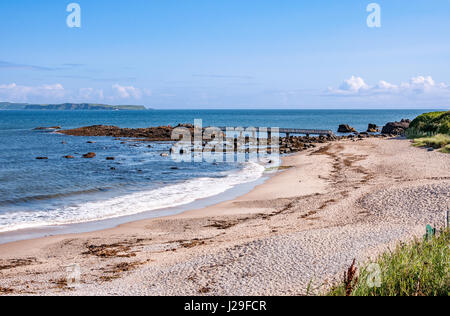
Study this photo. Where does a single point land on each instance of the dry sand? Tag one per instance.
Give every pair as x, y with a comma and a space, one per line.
343, 201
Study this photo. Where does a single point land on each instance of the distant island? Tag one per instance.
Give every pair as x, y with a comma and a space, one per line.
69, 107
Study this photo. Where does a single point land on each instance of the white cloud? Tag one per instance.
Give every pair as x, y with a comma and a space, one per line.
128, 92
354, 84
57, 93
15, 92
420, 85
90, 94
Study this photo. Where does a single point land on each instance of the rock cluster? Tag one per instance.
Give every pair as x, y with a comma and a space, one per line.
396, 128
295, 144
373, 128
161, 133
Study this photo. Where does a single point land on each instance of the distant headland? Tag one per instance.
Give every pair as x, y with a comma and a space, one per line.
69, 107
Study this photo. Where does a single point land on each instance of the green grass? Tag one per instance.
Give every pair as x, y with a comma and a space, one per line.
431, 130
446, 149
433, 122
420, 268
413, 133
437, 141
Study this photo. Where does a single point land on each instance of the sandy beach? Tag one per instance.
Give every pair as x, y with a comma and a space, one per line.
304, 226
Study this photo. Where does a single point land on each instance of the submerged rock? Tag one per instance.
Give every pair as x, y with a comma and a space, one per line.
41, 158
42, 128
89, 155
69, 157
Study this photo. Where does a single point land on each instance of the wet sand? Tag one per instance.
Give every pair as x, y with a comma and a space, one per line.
344, 200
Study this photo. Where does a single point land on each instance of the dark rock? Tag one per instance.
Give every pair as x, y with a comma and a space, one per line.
161, 133
42, 128
396, 128
110, 158
89, 155
90, 142
41, 158
344, 128
112, 168
373, 128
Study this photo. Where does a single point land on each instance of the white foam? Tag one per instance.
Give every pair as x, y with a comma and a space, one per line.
135, 203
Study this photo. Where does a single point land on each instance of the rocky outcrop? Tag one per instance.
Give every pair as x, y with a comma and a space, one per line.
396, 128
161, 133
89, 155
345, 129
373, 128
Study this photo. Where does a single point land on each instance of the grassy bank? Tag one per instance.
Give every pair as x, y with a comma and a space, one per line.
437, 141
431, 130
420, 268
433, 122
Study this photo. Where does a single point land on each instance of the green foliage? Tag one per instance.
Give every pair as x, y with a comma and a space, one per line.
413, 133
433, 122
420, 268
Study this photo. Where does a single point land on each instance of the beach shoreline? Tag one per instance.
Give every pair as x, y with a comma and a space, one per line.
109, 223
339, 201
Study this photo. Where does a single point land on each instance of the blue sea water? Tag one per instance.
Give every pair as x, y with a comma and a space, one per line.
35, 193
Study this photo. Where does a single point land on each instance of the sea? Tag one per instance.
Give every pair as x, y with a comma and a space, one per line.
52, 194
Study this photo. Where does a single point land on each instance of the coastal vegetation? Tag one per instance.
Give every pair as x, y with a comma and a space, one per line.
437, 141
420, 268
431, 130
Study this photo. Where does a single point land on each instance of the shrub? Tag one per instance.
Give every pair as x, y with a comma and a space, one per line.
433, 122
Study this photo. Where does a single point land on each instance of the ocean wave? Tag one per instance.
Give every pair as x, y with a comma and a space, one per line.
144, 201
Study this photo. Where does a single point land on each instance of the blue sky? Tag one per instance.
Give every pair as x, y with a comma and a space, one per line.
227, 53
